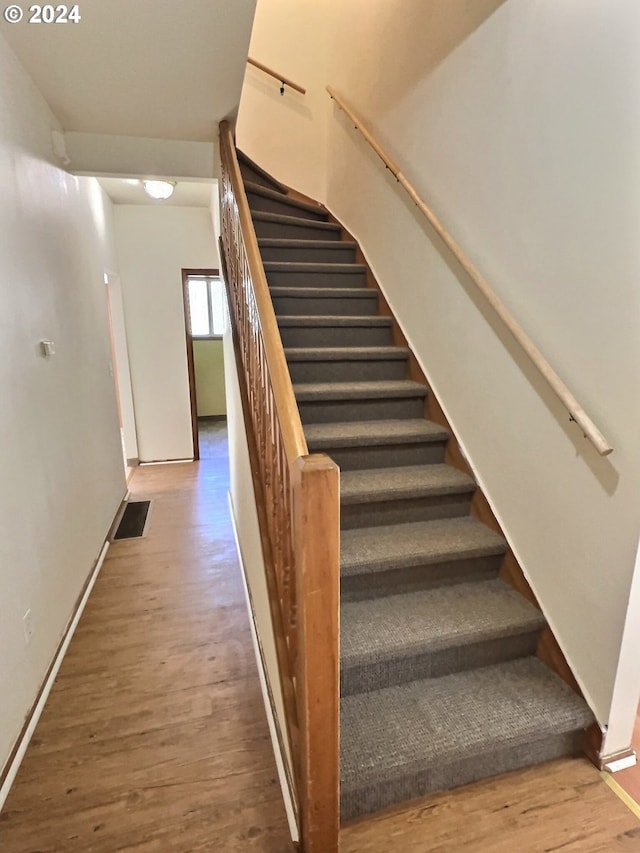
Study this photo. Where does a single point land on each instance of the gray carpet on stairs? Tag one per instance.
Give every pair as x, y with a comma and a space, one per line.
434, 734
439, 680
376, 549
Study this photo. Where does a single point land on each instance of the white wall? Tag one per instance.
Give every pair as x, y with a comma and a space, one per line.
518, 122
121, 365
154, 244
522, 130
208, 358
106, 154
61, 465
243, 505
286, 133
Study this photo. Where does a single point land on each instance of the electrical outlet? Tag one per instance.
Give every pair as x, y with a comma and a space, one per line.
27, 625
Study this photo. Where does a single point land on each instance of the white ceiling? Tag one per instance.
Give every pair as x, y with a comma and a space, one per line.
186, 194
151, 68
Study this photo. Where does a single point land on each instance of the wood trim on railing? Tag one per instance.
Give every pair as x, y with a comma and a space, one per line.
285, 81
317, 482
285, 671
299, 518
288, 414
556, 384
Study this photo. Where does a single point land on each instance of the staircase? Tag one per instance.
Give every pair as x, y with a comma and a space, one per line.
440, 683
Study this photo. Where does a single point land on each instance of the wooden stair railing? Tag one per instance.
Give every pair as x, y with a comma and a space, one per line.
576, 411
301, 517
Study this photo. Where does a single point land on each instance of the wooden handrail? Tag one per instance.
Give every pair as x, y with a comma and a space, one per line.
299, 519
288, 414
276, 76
576, 412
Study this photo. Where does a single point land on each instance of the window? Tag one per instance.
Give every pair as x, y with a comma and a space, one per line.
206, 306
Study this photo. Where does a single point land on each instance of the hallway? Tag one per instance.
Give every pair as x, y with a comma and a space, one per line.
154, 738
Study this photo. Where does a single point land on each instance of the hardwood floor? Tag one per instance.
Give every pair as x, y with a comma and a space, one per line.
629, 779
154, 738
563, 806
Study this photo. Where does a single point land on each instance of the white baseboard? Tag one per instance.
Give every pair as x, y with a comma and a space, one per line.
266, 694
48, 684
613, 764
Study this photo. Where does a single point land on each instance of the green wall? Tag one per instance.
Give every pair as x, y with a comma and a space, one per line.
209, 367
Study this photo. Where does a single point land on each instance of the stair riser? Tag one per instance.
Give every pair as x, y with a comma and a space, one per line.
372, 514
289, 231
315, 255
250, 174
355, 802
329, 411
401, 670
272, 205
316, 307
396, 581
347, 371
336, 336
282, 278
383, 455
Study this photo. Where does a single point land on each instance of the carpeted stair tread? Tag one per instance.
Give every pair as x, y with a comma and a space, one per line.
417, 729
252, 172
252, 188
332, 320
435, 619
315, 266
374, 433
298, 221
409, 481
325, 293
367, 550
346, 353
292, 243
306, 391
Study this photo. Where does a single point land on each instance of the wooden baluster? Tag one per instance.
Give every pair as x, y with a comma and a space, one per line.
300, 521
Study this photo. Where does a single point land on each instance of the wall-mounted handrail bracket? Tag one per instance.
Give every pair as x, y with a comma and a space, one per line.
552, 379
284, 81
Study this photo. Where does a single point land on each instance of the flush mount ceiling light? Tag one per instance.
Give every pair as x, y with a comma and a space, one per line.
159, 189
132, 182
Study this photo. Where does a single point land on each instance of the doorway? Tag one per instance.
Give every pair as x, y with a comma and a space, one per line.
120, 370
205, 312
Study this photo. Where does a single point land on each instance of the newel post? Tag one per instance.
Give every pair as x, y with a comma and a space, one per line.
317, 525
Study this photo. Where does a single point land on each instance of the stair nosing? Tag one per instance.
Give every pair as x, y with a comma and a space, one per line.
354, 567
398, 389
389, 353
299, 221
324, 292
252, 165
293, 243
314, 266
459, 484
333, 320
431, 433
486, 739
528, 620
274, 195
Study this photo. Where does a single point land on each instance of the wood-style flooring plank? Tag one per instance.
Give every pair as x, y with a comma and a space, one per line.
154, 738
563, 806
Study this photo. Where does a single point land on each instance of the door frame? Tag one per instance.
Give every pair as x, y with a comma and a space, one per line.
191, 370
